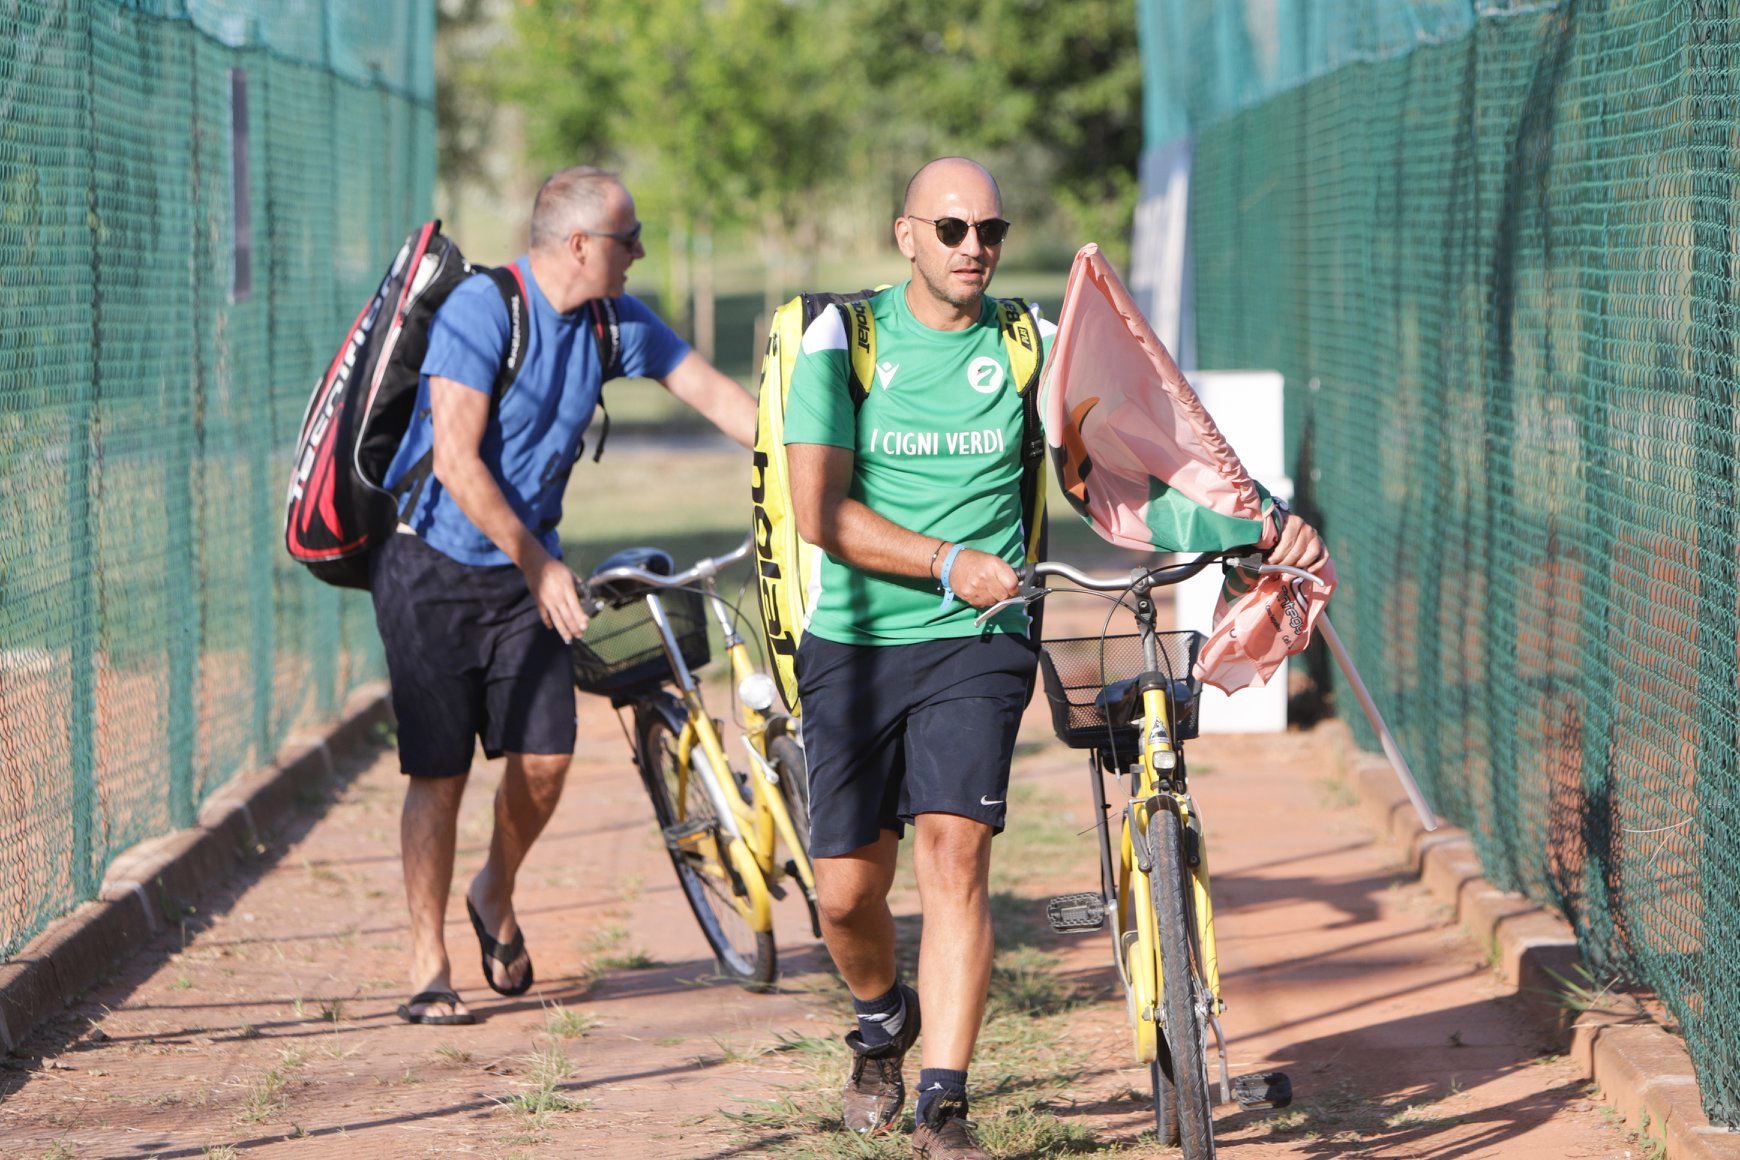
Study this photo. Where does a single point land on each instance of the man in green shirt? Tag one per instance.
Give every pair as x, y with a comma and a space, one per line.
913, 491
911, 486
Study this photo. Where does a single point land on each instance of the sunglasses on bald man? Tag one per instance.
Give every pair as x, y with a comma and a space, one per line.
952, 231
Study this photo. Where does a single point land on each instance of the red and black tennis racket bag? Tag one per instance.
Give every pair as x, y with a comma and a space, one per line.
337, 509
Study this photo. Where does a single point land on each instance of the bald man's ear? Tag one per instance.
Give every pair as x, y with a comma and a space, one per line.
903, 237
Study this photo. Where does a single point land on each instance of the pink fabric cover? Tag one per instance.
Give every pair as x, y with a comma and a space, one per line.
1113, 396
1257, 627
1111, 387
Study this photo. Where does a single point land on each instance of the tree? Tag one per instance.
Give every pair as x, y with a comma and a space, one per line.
726, 111
1054, 91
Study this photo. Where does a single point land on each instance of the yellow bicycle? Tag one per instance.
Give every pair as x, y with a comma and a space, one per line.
723, 824
1131, 702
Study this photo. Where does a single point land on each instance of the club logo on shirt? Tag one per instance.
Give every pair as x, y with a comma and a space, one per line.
885, 372
985, 375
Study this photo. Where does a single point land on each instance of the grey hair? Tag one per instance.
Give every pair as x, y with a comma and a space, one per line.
570, 199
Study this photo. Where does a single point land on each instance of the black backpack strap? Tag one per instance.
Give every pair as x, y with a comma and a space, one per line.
607, 332
512, 286
510, 283
855, 317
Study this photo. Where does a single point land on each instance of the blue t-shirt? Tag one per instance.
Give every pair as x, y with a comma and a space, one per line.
534, 432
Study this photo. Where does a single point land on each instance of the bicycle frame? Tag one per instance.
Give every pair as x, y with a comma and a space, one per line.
1158, 782
751, 827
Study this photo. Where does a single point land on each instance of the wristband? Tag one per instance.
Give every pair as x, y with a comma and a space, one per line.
930, 567
948, 565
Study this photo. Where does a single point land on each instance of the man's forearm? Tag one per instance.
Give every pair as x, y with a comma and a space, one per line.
715, 395
855, 534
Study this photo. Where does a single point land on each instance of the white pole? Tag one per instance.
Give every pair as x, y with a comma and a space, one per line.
1391, 749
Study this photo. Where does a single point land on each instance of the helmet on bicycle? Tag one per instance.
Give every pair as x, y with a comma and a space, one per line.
616, 593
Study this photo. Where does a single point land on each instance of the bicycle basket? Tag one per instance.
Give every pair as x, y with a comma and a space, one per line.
622, 649
1076, 670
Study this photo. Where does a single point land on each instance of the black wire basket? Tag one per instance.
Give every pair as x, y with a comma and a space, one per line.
1077, 670
622, 650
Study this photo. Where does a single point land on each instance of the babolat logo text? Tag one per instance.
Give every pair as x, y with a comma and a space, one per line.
862, 330
329, 406
768, 574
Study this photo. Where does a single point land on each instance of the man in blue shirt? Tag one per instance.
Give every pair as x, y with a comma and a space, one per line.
473, 601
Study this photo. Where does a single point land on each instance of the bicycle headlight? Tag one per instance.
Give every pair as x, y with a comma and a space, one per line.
757, 692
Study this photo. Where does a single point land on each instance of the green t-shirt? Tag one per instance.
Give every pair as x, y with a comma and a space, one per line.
938, 451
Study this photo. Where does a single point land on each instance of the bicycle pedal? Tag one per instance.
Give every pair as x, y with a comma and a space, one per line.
1265, 1089
685, 831
1076, 913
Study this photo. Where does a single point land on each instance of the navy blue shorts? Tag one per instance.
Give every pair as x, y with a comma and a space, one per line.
894, 731
469, 657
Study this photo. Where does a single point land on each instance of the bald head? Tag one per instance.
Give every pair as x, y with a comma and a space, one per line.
577, 198
946, 177
948, 204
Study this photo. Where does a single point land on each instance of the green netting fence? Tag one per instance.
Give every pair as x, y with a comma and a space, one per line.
194, 198
1493, 249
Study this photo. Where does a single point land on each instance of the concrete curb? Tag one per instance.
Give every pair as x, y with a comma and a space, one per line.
145, 887
1642, 1070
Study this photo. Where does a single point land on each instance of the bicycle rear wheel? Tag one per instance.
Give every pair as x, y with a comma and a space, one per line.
1184, 996
697, 842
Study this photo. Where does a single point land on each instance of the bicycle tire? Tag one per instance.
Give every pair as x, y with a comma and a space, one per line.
1165, 1100
787, 758
1181, 990
744, 955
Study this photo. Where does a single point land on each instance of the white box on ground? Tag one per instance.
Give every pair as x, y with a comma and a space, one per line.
1247, 407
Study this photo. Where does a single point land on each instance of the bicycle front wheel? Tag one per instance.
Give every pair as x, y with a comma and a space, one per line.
1184, 995
697, 842
787, 758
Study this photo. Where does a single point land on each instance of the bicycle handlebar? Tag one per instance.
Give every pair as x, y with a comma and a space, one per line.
1143, 580
704, 569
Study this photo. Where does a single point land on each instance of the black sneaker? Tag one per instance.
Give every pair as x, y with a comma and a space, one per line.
875, 1091
945, 1133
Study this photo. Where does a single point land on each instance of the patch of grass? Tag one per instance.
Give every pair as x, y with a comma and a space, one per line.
453, 1054
221, 1152
267, 1096
1045, 831
566, 1023
1583, 992
548, 1068
1346, 1117
611, 934
1335, 793
59, 1150
1024, 982
182, 983
784, 1043
632, 959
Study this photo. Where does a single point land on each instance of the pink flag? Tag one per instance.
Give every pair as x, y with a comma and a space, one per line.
1140, 459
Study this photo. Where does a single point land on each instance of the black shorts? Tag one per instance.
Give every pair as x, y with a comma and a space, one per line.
894, 731
469, 657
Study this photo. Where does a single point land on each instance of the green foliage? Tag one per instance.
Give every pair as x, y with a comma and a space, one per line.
759, 115
1058, 102
726, 109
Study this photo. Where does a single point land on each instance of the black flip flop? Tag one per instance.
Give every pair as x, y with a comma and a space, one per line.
424, 999
507, 955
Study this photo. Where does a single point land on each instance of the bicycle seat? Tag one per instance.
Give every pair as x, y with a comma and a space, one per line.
617, 593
